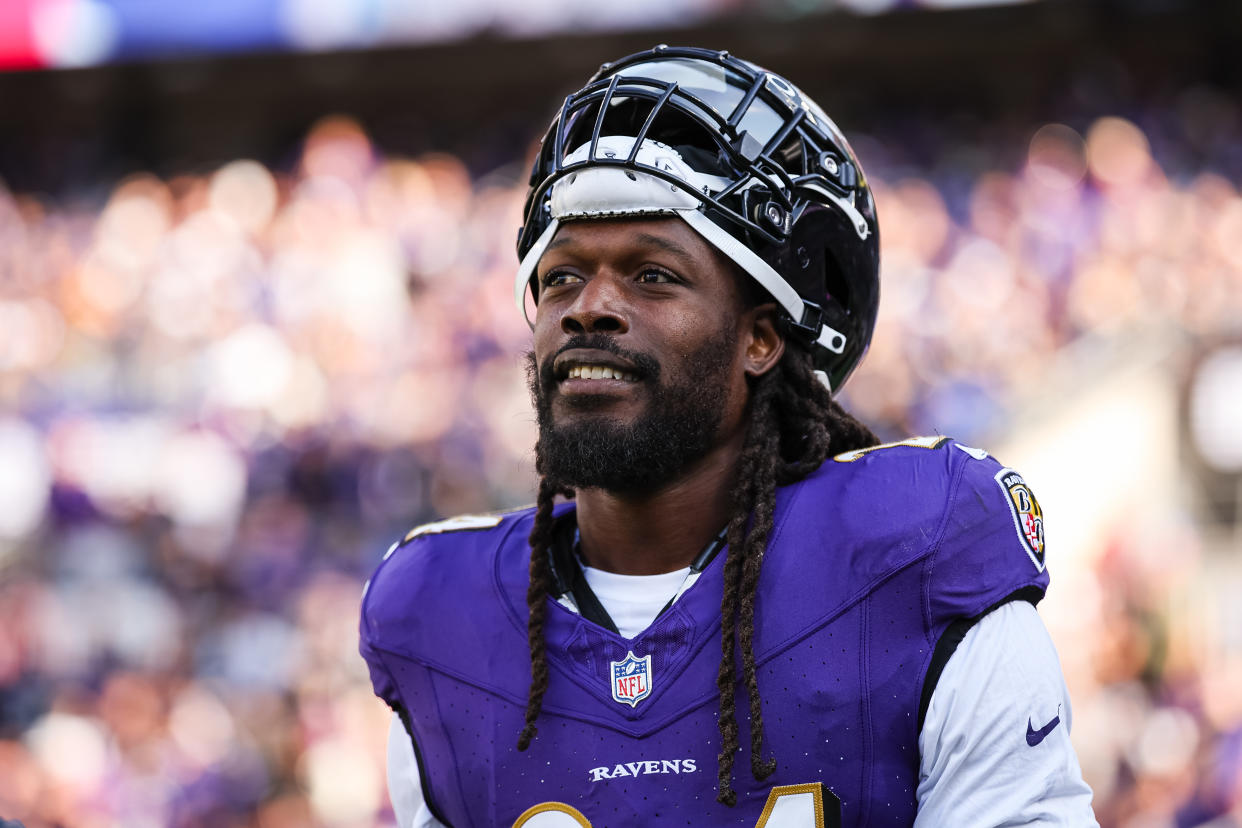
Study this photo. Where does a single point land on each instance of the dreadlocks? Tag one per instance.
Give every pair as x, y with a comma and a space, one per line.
794, 426
540, 586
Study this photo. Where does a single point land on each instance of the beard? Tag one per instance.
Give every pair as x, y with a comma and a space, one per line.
677, 428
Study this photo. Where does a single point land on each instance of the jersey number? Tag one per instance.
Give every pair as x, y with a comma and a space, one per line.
933, 442
788, 806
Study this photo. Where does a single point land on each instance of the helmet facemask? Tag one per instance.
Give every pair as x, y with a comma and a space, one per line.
743, 157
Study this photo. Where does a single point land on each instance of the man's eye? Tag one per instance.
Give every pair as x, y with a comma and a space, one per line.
653, 276
558, 277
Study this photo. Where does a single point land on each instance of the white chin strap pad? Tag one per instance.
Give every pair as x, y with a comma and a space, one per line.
606, 192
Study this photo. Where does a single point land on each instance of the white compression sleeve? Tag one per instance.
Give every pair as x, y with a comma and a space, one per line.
995, 747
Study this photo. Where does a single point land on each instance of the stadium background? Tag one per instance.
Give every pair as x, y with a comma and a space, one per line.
255, 264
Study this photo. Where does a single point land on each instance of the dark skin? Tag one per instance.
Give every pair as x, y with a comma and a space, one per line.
657, 288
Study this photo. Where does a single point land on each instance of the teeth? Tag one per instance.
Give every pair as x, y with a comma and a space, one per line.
598, 372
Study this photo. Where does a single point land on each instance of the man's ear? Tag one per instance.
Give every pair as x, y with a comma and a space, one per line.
764, 343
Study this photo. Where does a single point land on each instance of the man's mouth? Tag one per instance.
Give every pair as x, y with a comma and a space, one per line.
585, 365
590, 371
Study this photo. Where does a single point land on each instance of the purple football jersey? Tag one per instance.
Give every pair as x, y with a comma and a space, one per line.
871, 559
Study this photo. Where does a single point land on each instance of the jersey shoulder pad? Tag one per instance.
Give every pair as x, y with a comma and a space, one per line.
992, 546
972, 525
441, 595
878, 508
900, 487
437, 560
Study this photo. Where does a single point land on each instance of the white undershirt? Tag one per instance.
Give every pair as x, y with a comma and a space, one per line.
634, 601
976, 769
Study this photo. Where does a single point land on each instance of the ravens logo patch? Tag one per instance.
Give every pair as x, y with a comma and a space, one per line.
1028, 517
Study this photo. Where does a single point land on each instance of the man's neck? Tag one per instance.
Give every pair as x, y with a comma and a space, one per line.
662, 531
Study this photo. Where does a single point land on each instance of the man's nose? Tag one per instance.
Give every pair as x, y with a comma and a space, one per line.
598, 308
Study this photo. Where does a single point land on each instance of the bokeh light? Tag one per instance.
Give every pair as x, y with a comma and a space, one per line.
225, 392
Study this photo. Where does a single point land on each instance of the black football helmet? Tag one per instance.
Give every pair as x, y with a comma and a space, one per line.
752, 164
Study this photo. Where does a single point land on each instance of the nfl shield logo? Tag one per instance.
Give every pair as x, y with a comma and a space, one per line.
631, 679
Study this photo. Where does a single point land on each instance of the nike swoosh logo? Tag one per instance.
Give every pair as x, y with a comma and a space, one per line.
1034, 737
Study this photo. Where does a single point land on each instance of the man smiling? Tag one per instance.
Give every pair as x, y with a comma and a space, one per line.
619, 421
701, 250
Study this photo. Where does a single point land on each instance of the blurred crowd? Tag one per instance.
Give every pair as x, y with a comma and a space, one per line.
223, 395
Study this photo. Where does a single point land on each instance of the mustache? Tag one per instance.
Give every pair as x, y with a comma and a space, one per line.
646, 367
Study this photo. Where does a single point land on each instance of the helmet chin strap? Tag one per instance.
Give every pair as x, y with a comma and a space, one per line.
763, 273
527, 267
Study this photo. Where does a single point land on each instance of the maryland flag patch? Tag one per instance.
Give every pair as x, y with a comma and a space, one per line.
1028, 517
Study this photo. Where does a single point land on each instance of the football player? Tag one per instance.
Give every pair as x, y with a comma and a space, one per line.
713, 531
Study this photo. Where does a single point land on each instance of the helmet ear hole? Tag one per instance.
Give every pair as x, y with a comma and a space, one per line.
835, 283
812, 264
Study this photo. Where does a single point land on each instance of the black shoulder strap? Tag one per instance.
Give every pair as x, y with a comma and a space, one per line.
423, 781
953, 635
568, 577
